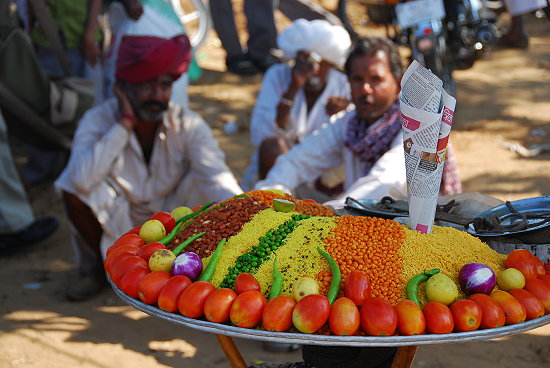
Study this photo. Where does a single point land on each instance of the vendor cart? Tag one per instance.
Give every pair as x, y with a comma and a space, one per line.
406, 351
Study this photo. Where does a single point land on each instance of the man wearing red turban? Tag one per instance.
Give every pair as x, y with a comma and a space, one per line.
137, 154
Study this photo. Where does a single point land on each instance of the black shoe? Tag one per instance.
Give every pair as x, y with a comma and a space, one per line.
241, 65
39, 230
277, 347
86, 287
266, 62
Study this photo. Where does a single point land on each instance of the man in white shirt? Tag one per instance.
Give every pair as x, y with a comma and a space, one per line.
368, 140
296, 100
138, 154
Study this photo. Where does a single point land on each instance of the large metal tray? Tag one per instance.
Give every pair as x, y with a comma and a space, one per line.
528, 206
309, 339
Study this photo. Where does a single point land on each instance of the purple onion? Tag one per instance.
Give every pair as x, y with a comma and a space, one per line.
187, 264
477, 278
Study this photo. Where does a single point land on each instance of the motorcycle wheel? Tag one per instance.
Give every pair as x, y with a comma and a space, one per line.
441, 65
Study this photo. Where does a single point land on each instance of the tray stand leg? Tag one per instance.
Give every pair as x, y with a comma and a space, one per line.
231, 351
404, 357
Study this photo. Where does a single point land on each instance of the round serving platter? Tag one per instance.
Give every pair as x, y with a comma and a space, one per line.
310, 339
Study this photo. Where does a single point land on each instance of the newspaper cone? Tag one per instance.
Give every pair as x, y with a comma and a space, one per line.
426, 117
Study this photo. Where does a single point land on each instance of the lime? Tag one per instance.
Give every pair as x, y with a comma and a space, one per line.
282, 205
179, 212
440, 288
510, 278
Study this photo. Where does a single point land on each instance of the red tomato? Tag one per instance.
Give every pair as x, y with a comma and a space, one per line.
217, 305
545, 278
522, 260
466, 315
167, 220
247, 309
357, 287
168, 296
148, 249
120, 249
149, 287
113, 260
539, 289
513, 310
533, 306
191, 300
277, 314
547, 267
246, 282
124, 266
378, 317
135, 230
539, 266
344, 319
493, 315
132, 239
410, 319
129, 282
311, 313
439, 319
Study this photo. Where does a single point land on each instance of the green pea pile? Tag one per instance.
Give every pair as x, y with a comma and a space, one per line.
271, 241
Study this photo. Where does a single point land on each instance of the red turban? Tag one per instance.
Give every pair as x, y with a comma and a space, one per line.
141, 58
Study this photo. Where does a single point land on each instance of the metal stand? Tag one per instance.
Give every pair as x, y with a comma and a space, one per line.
403, 358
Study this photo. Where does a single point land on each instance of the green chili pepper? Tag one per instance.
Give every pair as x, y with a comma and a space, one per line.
336, 276
415, 281
179, 225
277, 284
209, 271
177, 250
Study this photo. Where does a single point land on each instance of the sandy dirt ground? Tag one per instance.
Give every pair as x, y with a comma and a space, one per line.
503, 99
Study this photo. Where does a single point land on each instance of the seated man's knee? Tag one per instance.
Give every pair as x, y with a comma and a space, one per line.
81, 216
269, 150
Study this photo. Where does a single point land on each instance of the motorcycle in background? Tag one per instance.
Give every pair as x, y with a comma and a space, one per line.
443, 35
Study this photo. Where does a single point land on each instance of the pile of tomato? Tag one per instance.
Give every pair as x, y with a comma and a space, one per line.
354, 312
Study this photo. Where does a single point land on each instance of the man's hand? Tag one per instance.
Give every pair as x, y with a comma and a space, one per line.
303, 69
336, 104
134, 8
127, 117
89, 48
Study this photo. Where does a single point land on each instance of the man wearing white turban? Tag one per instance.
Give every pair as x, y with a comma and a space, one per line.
299, 98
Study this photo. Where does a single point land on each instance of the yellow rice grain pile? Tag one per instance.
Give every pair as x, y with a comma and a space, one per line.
447, 249
248, 236
299, 256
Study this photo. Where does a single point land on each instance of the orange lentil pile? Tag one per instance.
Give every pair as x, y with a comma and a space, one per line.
369, 244
303, 207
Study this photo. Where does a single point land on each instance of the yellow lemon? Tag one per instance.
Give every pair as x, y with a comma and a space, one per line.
180, 212
440, 288
161, 260
510, 278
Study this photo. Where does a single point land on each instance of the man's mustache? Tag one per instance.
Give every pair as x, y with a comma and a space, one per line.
367, 99
159, 105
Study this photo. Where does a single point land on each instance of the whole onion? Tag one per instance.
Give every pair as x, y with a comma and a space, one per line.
476, 278
188, 264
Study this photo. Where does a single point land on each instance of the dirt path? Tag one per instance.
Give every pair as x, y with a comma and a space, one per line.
504, 98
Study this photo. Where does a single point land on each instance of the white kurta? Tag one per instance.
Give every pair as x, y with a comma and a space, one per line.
108, 172
263, 122
324, 149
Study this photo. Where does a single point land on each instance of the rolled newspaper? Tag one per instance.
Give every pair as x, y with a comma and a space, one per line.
426, 117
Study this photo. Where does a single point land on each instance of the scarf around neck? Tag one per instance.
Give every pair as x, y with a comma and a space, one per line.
370, 145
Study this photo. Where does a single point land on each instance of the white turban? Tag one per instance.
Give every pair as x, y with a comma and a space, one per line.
329, 41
